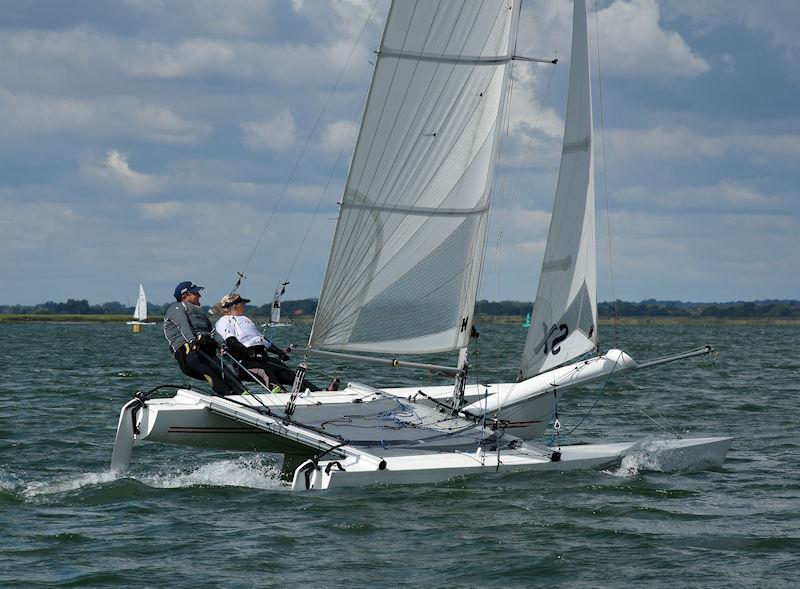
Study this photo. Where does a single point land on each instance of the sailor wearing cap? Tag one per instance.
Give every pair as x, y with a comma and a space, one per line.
246, 343
188, 332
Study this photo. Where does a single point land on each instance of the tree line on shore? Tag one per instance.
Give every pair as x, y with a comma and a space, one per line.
780, 309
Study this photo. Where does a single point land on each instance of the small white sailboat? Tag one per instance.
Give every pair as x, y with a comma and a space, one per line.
402, 278
275, 310
140, 311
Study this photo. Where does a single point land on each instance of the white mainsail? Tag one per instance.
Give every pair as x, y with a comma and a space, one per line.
405, 261
564, 318
140, 312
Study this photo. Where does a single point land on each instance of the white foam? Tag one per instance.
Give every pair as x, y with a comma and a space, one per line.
74, 483
633, 464
8, 482
251, 472
667, 456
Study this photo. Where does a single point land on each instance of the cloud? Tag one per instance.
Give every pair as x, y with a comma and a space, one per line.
160, 210
115, 170
726, 195
708, 256
338, 136
777, 19
276, 134
633, 43
162, 125
342, 17
30, 113
662, 142
189, 115
188, 59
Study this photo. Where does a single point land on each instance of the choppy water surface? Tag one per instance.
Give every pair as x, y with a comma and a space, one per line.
187, 518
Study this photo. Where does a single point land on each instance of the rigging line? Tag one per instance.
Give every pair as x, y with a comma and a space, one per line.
503, 141
327, 185
597, 397
506, 212
605, 172
351, 175
361, 221
661, 425
364, 267
307, 142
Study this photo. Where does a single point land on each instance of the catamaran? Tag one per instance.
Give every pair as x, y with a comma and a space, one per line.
402, 278
140, 311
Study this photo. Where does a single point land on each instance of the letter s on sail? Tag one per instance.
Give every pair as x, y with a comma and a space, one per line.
560, 338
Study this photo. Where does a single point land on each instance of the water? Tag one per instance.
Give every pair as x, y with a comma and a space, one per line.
187, 518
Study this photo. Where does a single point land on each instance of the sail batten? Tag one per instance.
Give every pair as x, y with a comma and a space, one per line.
441, 58
407, 252
564, 318
414, 210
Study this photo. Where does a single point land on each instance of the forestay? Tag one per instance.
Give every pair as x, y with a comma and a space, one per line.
564, 318
406, 256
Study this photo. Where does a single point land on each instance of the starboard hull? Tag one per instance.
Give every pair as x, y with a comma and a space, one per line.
662, 455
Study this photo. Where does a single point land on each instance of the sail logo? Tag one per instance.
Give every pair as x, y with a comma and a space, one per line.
552, 341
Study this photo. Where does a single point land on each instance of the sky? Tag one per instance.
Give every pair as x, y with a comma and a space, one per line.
144, 141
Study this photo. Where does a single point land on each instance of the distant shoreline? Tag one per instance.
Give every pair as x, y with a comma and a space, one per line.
482, 319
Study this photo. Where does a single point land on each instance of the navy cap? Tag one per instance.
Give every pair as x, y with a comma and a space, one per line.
186, 286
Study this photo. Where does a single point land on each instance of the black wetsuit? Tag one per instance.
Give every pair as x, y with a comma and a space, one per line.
256, 357
188, 332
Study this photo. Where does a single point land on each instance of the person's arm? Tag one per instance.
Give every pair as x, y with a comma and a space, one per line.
236, 348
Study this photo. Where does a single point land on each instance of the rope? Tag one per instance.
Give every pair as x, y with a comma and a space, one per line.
303, 150
506, 211
596, 399
327, 185
605, 173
